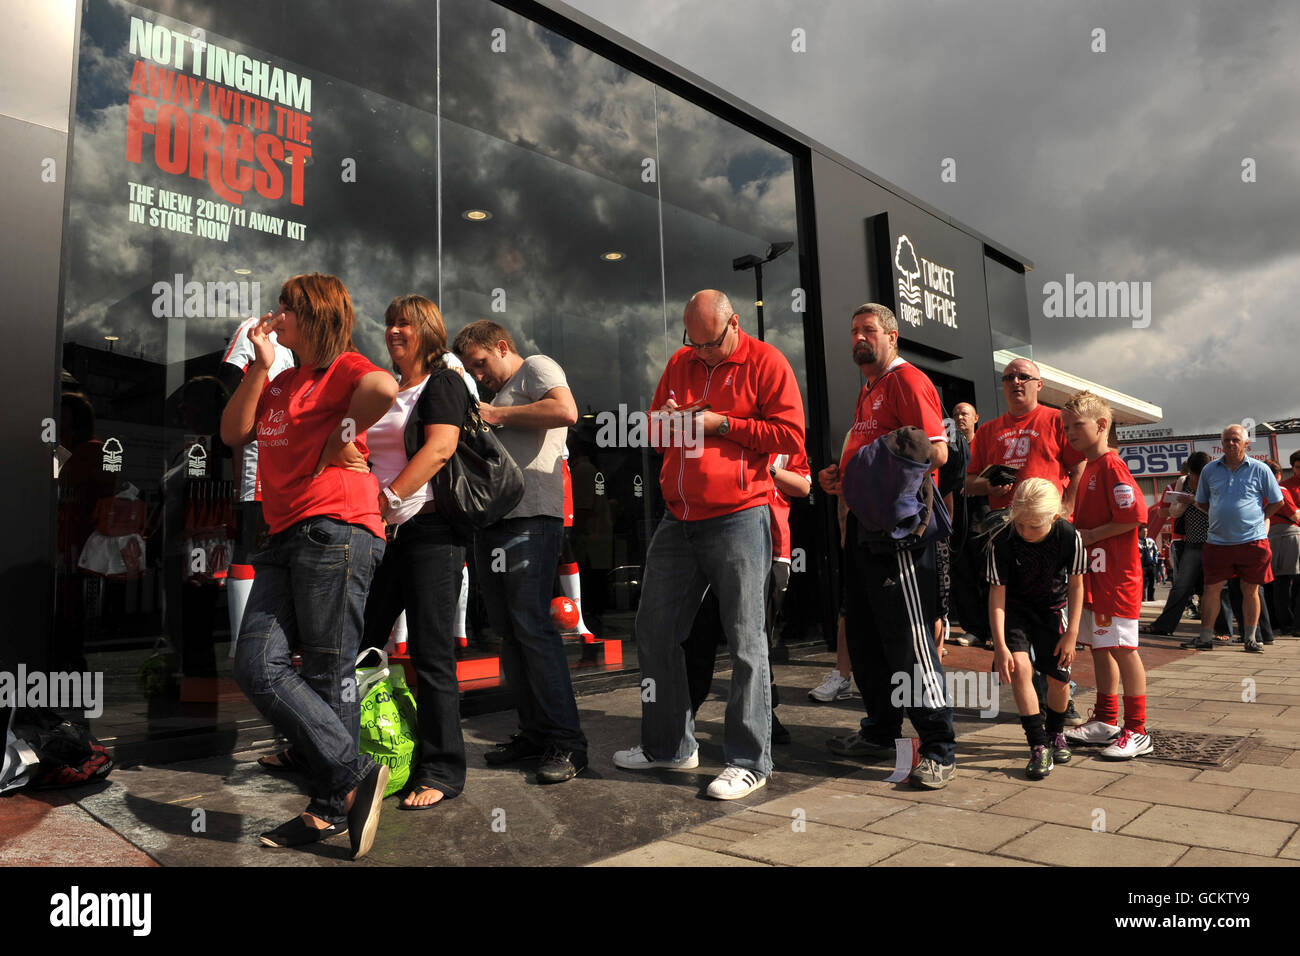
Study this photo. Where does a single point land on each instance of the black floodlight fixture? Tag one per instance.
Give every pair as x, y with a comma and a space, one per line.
741, 263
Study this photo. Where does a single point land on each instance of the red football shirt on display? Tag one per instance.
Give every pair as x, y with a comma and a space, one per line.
903, 395
1034, 443
1108, 493
295, 415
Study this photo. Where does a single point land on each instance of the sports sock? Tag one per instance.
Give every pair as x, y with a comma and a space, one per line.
239, 582
571, 585
1251, 634
397, 636
1135, 713
1055, 722
1033, 725
1107, 708
1207, 635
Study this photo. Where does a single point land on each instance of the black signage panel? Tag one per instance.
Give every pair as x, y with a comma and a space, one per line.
923, 273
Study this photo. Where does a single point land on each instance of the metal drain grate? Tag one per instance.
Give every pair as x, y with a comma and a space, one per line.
1197, 750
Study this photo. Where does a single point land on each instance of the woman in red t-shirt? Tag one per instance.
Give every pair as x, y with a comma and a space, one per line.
320, 504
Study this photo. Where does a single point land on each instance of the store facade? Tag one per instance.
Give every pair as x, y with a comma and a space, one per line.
512, 161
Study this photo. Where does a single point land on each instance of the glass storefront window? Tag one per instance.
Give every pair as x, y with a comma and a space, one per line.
475, 157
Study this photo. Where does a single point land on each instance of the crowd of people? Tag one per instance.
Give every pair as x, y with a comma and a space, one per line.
1028, 530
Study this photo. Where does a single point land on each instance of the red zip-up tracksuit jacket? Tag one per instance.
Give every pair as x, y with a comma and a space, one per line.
756, 389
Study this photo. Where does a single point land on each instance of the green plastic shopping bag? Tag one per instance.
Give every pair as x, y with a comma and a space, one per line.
388, 725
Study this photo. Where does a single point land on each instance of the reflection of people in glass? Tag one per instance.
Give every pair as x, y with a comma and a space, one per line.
569, 582
421, 571
250, 526
197, 524
83, 483
321, 506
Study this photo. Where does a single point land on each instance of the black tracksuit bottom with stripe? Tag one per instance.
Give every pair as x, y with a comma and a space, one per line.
890, 607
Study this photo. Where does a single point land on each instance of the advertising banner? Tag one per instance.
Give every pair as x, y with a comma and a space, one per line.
1155, 459
218, 125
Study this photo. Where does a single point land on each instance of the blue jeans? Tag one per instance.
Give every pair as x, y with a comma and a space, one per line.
732, 555
515, 561
310, 592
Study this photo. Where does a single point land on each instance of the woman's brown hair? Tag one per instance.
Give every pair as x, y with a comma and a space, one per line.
325, 317
425, 318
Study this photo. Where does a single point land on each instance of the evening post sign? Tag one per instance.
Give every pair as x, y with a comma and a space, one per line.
1153, 459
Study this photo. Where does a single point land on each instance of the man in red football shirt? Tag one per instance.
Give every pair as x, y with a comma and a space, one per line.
1108, 510
1029, 438
891, 600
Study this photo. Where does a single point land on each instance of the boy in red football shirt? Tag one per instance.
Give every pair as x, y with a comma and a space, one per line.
1107, 512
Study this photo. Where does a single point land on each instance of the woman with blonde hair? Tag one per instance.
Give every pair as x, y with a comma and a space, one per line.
320, 504
1035, 568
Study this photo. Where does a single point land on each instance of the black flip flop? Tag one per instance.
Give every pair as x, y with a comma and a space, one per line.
297, 832
418, 789
363, 818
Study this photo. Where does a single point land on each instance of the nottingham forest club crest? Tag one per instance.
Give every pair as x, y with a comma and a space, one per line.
909, 270
933, 298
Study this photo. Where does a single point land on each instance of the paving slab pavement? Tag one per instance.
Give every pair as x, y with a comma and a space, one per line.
817, 809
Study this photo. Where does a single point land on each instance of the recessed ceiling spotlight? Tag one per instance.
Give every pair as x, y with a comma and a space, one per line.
476, 215
611, 256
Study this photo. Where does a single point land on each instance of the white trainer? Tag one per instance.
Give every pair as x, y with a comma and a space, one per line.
638, 759
1093, 732
734, 783
834, 687
1128, 746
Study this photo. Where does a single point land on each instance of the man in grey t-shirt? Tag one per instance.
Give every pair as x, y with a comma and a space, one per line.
516, 558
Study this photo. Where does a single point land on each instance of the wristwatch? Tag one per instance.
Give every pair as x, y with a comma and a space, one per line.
725, 426
394, 502
771, 470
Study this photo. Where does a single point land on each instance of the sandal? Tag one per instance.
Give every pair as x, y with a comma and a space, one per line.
298, 832
417, 790
1150, 629
286, 762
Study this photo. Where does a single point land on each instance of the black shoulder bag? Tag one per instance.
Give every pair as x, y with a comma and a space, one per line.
481, 484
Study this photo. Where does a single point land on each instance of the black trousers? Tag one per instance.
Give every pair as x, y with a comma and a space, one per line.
421, 574
891, 604
970, 592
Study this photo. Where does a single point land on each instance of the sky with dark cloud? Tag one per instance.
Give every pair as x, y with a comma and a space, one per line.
1117, 166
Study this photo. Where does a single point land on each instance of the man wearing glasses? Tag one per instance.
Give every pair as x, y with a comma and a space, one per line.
1029, 438
745, 403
